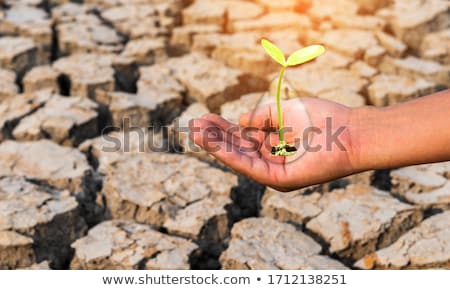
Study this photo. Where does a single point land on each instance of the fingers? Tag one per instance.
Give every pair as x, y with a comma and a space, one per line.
247, 163
208, 134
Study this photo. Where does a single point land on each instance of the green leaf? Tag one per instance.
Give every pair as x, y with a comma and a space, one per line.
305, 54
274, 52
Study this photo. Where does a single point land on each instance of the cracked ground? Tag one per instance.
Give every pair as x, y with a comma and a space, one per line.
97, 170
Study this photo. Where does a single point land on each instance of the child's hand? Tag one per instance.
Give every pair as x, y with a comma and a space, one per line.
321, 130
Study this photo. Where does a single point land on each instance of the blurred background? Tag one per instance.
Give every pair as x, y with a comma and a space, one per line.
96, 169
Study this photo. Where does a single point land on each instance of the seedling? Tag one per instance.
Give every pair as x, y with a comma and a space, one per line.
300, 56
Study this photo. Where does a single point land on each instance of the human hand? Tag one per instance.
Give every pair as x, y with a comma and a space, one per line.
321, 130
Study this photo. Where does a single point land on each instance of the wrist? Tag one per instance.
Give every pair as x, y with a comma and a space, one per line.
364, 137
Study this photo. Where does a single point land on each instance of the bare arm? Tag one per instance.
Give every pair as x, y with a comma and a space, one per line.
405, 134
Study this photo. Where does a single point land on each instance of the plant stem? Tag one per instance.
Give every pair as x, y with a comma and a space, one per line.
280, 113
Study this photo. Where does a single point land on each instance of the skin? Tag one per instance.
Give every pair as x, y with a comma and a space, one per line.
410, 133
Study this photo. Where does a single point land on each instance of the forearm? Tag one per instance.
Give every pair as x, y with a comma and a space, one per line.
410, 133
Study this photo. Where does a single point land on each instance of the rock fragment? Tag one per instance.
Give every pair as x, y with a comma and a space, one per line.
18, 54
417, 68
273, 22
436, 47
36, 223
183, 36
83, 74
353, 221
166, 190
411, 21
392, 89
66, 121
210, 82
31, 22
129, 111
110, 148
123, 245
344, 97
311, 81
12, 110
423, 247
8, 87
84, 37
146, 51
425, 185
351, 42
141, 19
254, 247
395, 47
40, 78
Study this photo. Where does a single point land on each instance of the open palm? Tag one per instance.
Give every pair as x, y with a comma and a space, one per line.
321, 130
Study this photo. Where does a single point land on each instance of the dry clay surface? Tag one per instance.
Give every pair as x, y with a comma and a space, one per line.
97, 170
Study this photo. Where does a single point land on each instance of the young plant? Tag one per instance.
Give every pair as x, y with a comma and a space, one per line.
300, 56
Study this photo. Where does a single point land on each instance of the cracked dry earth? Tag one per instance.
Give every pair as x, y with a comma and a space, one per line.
95, 99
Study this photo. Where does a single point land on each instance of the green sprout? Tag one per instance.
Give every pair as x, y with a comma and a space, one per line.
300, 56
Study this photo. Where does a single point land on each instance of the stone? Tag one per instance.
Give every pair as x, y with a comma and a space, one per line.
185, 196
83, 74
32, 22
326, 9
129, 111
123, 245
109, 148
370, 6
41, 266
161, 79
64, 120
424, 247
18, 54
45, 161
330, 60
41, 78
212, 83
15, 250
75, 37
141, 19
247, 103
12, 110
350, 42
394, 47
205, 12
417, 68
311, 81
425, 185
295, 5
240, 50
183, 36
367, 22
8, 87
364, 70
266, 244
392, 89
374, 55
344, 97
41, 223
353, 221
273, 22
436, 47
179, 132
73, 12
411, 21
146, 51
